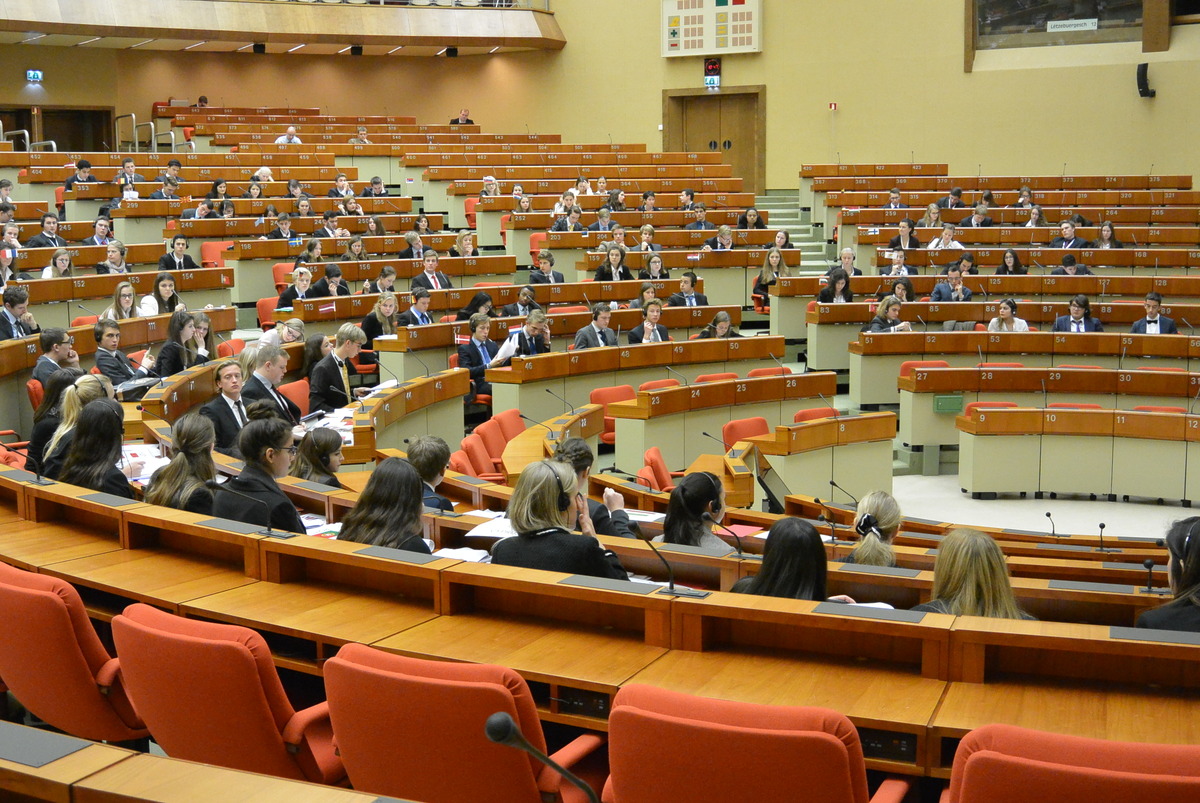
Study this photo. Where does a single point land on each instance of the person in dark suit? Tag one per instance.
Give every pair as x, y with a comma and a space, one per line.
978, 220
479, 353
687, 295
608, 517
651, 331
16, 321
570, 222
545, 273
267, 449
1071, 268
701, 221
894, 201
1067, 238
269, 371
1079, 319
1183, 574
430, 456
329, 227
545, 502
227, 411
178, 259
95, 451
300, 288
202, 211
687, 200
415, 250
418, 313
953, 200
604, 221
905, 239
48, 236
331, 284
58, 351
282, 230
180, 349
522, 306
596, 333
167, 191
329, 382
464, 118
953, 288
722, 242
528, 340
112, 362
101, 232
431, 278
1154, 323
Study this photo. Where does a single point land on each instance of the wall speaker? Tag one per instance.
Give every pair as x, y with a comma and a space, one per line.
259, 47
452, 52
355, 50
1143, 81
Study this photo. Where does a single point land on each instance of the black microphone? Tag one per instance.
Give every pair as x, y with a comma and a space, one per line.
362, 407
718, 440
213, 485
829, 404
142, 409
85, 309
38, 479
413, 354
617, 337
561, 399
833, 484
671, 590
1053, 532
501, 729
1103, 548
741, 553
681, 376
553, 434
828, 519
1150, 589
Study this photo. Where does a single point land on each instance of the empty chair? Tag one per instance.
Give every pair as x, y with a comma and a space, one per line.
813, 413
1151, 408
85, 320
716, 377
493, 439
742, 428
298, 392
1000, 365
414, 729
1080, 367
645, 476
54, 663
510, 422
605, 396
265, 308
231, 347
1007, 764
658, 384
209, 692
908, 366
1074, 406
775, 370
460, 463
656, 737
663, 477
281, 272
481, 462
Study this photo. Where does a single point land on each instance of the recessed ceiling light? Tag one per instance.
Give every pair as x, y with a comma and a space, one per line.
35, 37
88, 41
443, 50
189, 47
493, 50
294, 49
139, 44
394, 49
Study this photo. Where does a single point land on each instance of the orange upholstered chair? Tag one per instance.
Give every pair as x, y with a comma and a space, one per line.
1007, 764
663, 476
742, 428
209, 692
1079, 367
774, 370
35, 391
605, 396
645, 476
492, 435
266, 312
510, 422
504, 220
383, 705
460, 463
908, 366
298, 392
1074, 406
212, 253
987, 405
655, 736
85, 320
481, 462
231, 347
54, 662
281, 272
813, 413
715, 377
1000, 365
469, 211
537, 243
1151, 408
658, 384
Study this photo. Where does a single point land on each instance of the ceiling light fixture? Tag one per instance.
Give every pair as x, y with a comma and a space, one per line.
88, 41
139, 44
189, 47
294, 49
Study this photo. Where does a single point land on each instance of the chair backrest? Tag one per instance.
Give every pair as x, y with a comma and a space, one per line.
1006, 764
281, 272
1080, 367
605, 396
980, 327
1152, 408
469, 211
504, 219
266, 309
452, 359
813, 413
212, 253
493, 439
231, 347
987, 405
742, 428
447, 319
85, 320
1000, 365
298, 392
477, 454
511, 423
1074, 406
658, 466
382, 704
655, 736
908, 366
14, 459
460, 463
774, 370
569, 309
51, 656
537, 242
657, 384
716, 377
209, 692
35, 392
645, 476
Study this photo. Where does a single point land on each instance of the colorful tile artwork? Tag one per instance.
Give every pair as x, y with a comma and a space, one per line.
710, 26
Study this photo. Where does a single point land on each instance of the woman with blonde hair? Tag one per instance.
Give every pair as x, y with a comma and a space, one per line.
876, 522
932, 219
970, 578
88, 387
381, 320
772, 268
464, 245
122, 304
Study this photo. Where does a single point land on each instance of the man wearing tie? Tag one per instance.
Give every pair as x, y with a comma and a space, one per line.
269, 370
478, 353
687, 295
545, 274
894, 200
532, 338
415, 248
178, 259
101, 228
114, 363
16, 321
597, 332
651, 331
1154, 323
1079, 319
48, 237
329, 385
227, 411
418, 313
431, 278
522, 306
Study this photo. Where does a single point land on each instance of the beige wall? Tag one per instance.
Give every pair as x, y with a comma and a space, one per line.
895, 70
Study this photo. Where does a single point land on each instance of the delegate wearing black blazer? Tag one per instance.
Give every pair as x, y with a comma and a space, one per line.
638, 332
513, 310
43, 240
254, 481
604, 273
7, 331
410, 253
116, 366
320, 289
254, 390
715, 244
912, 243
536, 276
1063, 324
605, 522
409, 318
422, 280
170, 359
678, 300
289, 296
470, 358
324, 374
558, 550
167, 262
827, 296
435, 500
225, 425
115, 483
969, 222
372, 328
454, 252
1166, 326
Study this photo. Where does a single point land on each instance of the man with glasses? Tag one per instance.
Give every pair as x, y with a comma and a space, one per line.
58, 351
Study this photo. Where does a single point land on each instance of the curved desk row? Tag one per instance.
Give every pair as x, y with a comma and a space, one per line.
729, 275
1119, 261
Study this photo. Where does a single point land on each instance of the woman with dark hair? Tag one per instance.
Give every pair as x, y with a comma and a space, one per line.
96, 449
254, 191
48, 415
783, 240
1010, 264
750, 219
970, 578
616, 200
1107, 238
793, 565
181, 483
384, 282
315, 349
905, 239
375, 227
654, 268
902, 288
1037, 218
164, 299
613, 268
836, 289
388, 512
310, 254
319, 457
219, 191
355, 250
696, 504
204, 340
646, 295
60, 265
175, 355
480, 302
524, 205
421, 225
85, 389
1007, 320
721, 327
1183, 574
266, 447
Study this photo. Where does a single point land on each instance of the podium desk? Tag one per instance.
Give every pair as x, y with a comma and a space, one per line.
540, 441
1000, 451
574, 644
428, 405
854, 451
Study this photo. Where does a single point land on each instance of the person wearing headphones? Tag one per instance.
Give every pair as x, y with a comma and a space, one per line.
319, 457
597, 333
545, 502
1183, 573
696, 504
651, 331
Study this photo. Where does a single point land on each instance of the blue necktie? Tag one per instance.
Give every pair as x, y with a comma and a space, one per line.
483, 353
424, 318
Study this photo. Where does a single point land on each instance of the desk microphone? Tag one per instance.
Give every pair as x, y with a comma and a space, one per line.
979, 349
736, 538
1121, 359
1193, 402
569, 408
778, 362
1053, 532
833, 484
85, 309
362, 408
681, 376
214, 486
829, 404
383, 367
38, 479
718, 440
617, 337
413, 354
1188, 325
150, 371
1045, 400
142, 409
828, 519
553, 434
671, 590
1150, 589
501, 729
1103, 548
922, 320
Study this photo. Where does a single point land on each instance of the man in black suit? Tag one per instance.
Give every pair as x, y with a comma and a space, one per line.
894, 200
1071, 268
415, 250
609, 517
329, 228
331, 284
687, 295
112, 362
1080, 318
178, 259
82, 174
570, 222
1067, 238
101, 232
269, 370
478, 353
651, 331
127, 176
646, 239
172, 171
282, 230
532, 338
701, 221
596, 333
430, 456
545, 274
722, 242
687, 200
978, 220
953, 200
167, 191
431, 278
341, 185
58, 351
522, 306
464, 118
1154, 323
48, 236
604, 220
16, 321
329, 382
418, 313
203, 211
227, 411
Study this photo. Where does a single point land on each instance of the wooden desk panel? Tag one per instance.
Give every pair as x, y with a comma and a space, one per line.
56, 780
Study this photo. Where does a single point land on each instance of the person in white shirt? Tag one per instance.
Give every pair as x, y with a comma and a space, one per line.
289, 137
898, 266
946, 240
1007, 320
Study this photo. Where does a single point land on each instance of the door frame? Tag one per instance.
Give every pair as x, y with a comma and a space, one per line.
672, 115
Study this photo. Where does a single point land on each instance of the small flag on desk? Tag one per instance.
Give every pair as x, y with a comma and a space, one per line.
326, 308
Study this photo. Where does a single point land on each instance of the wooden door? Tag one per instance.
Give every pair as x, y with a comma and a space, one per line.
730, 123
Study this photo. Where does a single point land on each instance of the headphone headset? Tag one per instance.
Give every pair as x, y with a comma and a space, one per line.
564, 499
716, 500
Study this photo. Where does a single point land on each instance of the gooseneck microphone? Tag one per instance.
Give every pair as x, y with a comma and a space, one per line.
715, 438
501, 729
827, 517
413, 354
566, 403
142, 409
829, 404
362, 408
741, 553
38, 479
671, 589
681, 376
833, 484
1103, 548
1053, 532
85, 309
1150, 589
215, 486
553, 434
